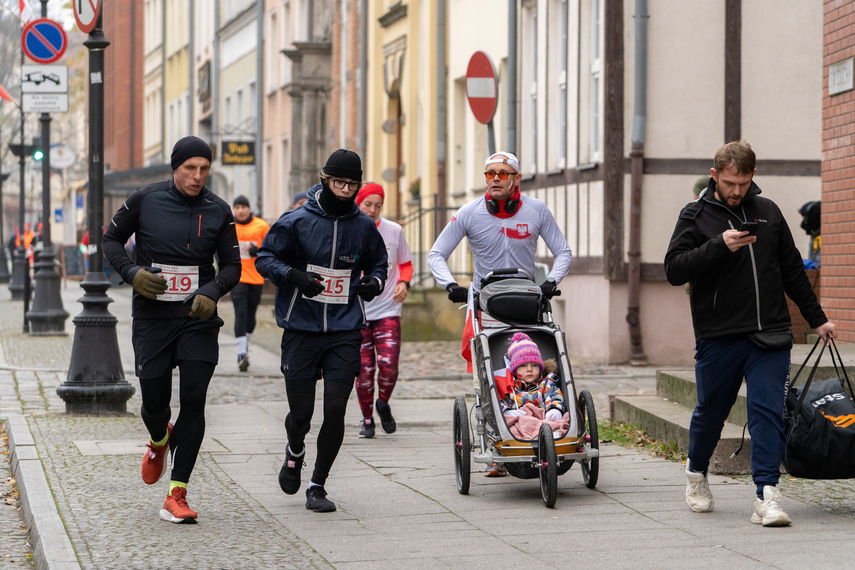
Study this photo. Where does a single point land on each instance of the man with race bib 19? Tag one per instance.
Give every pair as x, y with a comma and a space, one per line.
325, 259
180, 225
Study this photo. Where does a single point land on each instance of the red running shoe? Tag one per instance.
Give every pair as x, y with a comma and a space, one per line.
154, 460
175, 508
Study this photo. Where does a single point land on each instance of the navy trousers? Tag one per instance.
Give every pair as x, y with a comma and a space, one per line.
721, 364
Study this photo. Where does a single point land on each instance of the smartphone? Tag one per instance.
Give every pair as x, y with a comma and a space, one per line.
750, 227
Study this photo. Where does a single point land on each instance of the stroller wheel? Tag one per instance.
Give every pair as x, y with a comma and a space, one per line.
547, 465
462, 446
590, 467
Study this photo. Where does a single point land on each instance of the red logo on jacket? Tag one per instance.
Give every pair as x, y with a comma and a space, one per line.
520, 232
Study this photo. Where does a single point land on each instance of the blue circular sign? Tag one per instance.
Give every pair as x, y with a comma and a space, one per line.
43, 40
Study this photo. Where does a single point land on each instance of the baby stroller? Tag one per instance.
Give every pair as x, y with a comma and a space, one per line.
510, 303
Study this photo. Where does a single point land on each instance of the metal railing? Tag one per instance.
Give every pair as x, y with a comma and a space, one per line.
421, 227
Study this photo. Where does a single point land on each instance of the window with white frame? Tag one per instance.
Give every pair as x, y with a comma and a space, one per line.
596, 81
532, 123
238, 108
271, 61
562, 83
284, 62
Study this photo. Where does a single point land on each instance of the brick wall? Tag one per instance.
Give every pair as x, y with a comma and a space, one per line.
838, 173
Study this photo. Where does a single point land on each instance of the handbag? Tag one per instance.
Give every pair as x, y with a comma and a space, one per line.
772, 340
819, 420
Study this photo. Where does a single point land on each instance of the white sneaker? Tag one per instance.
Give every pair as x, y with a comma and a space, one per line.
698, 494
768, 511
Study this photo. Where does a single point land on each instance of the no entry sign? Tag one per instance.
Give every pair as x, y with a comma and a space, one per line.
481, 87
43, 40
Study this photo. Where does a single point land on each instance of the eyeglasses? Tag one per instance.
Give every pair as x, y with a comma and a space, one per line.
340, 184
501, 175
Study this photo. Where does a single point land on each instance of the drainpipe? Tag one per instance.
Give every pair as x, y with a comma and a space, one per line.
259, 106
441, 119
363, 74
511, 145
636, 355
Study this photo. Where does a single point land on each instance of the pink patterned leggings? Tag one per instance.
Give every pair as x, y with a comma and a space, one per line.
382, 336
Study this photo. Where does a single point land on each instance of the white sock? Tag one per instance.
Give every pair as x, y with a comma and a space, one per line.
311, 484
241, 344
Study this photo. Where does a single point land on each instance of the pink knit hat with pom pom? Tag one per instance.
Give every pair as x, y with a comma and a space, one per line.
522, 351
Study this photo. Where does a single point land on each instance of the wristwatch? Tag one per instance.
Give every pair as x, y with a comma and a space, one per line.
407, 283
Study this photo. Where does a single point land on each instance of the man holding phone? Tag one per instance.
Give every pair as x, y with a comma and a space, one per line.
736, 250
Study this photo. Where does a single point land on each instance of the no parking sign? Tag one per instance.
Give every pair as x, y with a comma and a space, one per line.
43, 40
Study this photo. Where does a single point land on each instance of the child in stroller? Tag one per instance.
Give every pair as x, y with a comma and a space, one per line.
535, 383
531, 391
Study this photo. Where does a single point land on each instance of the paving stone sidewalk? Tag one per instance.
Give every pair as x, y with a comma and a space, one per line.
397, 502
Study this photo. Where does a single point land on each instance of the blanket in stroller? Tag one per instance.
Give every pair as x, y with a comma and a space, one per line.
528, 426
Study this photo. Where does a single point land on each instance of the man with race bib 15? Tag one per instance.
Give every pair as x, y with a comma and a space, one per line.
325, 259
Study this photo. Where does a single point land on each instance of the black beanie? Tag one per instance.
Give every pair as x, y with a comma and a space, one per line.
189, 147
344, 164
241, 201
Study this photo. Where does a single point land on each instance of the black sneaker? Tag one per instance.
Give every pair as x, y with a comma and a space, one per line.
316, 500
386, 419
243, 362
289, 475
367, 428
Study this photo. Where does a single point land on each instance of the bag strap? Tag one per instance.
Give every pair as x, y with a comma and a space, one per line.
798, 406
842, 367
802, 367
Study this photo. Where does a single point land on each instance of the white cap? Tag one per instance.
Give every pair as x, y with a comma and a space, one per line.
503, 158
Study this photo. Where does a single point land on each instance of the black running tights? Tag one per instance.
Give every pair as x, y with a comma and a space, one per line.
299, 419
189, 427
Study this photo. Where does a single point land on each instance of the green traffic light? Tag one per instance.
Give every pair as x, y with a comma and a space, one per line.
38, 155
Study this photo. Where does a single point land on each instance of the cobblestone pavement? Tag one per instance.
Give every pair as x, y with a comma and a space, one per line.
92, 466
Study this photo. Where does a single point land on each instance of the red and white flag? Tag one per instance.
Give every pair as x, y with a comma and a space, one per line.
27, 13
5, 95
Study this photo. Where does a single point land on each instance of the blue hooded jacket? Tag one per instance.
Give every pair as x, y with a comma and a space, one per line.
309, 235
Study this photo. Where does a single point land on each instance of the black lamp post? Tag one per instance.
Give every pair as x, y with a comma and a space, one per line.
47, 317
95, 382
4, 264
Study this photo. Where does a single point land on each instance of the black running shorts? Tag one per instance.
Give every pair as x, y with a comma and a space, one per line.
309, 356
160, 344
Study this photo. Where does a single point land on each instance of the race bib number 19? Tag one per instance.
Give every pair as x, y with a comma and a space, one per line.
181, 281
336, 285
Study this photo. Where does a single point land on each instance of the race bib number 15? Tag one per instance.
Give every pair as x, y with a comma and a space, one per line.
336, 285
181, 281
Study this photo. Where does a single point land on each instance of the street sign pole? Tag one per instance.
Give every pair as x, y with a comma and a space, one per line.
96, 381
20, 263
4, 264
47, 317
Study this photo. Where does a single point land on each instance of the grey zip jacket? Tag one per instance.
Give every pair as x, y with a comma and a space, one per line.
744, 291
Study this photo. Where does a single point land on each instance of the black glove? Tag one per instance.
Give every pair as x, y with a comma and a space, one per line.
149, 285
549, 289
309, 284
203, 307
457, 294
253, 250
368, 287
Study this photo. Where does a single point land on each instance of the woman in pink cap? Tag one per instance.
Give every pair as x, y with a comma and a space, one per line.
381, 338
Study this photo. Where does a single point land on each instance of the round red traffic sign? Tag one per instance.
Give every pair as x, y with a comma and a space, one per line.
481, 87
86, 14
43, 40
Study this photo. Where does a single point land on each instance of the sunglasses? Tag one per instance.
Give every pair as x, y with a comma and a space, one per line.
501, 175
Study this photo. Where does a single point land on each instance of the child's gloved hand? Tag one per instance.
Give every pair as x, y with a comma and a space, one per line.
554, 415
514, 413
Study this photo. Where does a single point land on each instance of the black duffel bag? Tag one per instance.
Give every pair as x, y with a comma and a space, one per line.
820, 424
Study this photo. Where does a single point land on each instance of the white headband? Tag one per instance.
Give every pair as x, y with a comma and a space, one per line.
503, 158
